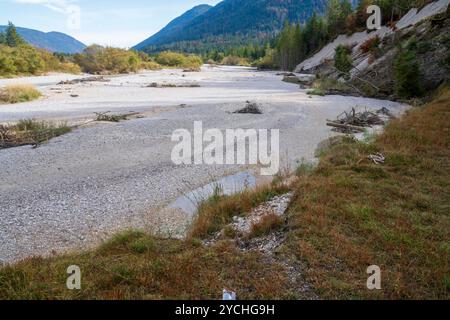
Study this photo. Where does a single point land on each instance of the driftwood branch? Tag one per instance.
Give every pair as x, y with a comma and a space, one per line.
358, 78
347, 127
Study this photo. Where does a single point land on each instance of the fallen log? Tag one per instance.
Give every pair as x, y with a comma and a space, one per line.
105, 116
348, 127
82, 80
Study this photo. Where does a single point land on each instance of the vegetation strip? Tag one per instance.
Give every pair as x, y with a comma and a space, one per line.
30, 132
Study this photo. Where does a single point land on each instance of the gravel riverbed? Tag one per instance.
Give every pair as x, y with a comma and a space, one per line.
80, 188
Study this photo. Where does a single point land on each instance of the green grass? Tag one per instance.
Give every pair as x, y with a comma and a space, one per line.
304, 168
19, 93
316, 92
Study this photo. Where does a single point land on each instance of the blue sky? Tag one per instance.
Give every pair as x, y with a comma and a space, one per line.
106, 22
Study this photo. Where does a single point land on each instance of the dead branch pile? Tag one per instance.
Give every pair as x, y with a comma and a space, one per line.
106, 116
354, 121
82, 80
250, 108
172, 85
10, 137
377, 158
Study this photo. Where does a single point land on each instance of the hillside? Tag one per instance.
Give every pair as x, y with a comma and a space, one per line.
420, 41
52, 41
175, 26
231, 22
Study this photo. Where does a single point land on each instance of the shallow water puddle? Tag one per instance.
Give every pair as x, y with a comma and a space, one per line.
228, 185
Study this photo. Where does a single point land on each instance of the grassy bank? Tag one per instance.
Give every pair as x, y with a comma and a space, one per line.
218, 210
350, 213
347, 214
135, 266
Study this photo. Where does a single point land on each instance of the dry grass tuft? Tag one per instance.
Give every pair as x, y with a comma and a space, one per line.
268, 224
19, 93
216, 212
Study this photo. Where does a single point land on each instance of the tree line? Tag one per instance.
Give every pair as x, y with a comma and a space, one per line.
19, 58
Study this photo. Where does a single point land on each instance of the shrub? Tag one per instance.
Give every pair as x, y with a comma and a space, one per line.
150, 65
19, 60
170, 59
107, 60
268, 62
19, 93
174, 59
235, 61
192, 62
407, 75
51, 62
342, 59
371, 45
27, 60
7, 63
69, 67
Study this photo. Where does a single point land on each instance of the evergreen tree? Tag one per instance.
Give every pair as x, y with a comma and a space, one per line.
2, 38
13, 39
343, 59
333, 16
299, 44
315, 33
336, 16
407, 75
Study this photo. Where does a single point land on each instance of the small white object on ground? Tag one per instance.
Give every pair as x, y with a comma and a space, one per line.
229, 295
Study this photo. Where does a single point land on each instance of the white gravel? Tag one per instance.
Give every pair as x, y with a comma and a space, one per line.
82, 187
277, 206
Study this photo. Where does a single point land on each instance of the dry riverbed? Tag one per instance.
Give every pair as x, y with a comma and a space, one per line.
80, 188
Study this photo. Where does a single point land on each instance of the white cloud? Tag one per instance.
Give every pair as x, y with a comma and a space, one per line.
66, 7
57, 5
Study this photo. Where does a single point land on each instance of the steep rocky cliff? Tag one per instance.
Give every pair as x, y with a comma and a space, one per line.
424, 34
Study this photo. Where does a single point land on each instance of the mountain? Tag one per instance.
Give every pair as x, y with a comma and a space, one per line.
231, 22
175, 26
52, 41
